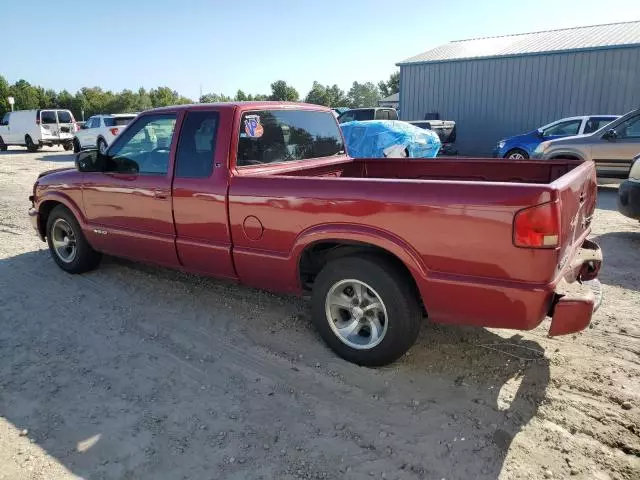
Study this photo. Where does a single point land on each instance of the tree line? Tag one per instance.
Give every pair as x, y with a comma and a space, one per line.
93, 100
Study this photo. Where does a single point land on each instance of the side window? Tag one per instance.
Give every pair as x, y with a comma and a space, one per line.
347, 117
270, 136
381, 115
630, 128
5, 119
48, 117
393, 115
197, 144
143, 148
570, 127
64, 117
596, 123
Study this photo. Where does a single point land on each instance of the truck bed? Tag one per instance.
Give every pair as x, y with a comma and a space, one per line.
450, 169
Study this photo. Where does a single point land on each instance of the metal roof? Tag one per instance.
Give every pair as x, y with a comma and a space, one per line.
579, 38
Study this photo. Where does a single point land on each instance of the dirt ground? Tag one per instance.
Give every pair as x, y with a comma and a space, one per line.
135, 372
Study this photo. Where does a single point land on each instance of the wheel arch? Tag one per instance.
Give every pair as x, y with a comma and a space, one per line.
47, 204
319, 245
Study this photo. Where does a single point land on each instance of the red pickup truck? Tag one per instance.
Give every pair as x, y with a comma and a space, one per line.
264, 194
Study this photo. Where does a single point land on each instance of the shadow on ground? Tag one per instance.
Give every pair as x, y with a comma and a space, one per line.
137, 372
620, 270
608, 197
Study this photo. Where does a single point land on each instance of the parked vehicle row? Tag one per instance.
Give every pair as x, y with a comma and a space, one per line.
37, 128
612, 147
522, 146
264, 194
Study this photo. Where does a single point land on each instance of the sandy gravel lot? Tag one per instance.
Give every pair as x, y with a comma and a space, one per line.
135, 372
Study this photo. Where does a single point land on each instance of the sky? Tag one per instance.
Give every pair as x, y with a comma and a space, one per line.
223, 46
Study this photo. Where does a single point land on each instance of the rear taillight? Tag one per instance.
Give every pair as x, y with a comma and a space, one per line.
537, 227
76, 127
37, 121
114, 131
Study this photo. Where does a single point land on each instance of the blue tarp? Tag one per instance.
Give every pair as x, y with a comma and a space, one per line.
389, 138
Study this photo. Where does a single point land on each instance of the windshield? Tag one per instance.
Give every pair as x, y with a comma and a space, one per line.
117, 121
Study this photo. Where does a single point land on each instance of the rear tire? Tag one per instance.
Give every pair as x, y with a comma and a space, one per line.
3, 146
76, 146
517, 154
67, 244
31, 147
383, 283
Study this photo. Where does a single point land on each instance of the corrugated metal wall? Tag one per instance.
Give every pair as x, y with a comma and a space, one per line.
494, 98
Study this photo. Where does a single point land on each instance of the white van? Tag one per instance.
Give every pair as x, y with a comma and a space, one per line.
36, 128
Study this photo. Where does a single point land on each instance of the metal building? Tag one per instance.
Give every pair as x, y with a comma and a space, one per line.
501, 86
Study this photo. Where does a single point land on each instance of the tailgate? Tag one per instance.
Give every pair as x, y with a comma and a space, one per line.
577, 195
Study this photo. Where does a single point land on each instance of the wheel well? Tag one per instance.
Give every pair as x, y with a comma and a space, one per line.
43, 215
317, 255
565, 157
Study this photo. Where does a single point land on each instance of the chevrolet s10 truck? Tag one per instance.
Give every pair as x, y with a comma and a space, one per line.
264, 194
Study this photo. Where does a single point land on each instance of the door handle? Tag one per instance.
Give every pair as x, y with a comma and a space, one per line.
160, 195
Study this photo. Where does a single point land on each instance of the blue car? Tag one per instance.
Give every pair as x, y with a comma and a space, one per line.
520, 147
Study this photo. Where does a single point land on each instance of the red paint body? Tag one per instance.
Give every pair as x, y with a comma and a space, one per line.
449, 220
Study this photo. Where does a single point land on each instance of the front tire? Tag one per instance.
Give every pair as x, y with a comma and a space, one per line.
67, 146
31, 147
3, 146
365, 308
102, 145
67, 244
517, 154
76, 146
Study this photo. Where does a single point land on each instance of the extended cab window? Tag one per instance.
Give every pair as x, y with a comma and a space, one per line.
5, 119
197, 145
270, 136
143, 148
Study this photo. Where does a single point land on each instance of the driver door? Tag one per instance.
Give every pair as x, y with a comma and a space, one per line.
128, 203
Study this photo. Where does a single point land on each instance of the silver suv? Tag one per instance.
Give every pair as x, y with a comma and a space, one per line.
613, 147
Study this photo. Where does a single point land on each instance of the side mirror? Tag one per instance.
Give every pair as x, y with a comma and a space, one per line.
610, 135
540, 133
90, 161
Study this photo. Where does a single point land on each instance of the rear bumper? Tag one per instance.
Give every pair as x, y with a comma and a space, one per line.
570, 301
629, 199
575, 304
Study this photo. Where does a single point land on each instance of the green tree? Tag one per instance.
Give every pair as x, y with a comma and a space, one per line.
144, 100
242, 97
318, 95
27, 96
363, 95
280, 91
337, 98
391, 86
214, 98
4, 93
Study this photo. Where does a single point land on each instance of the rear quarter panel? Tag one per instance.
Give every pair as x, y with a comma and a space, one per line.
461, 228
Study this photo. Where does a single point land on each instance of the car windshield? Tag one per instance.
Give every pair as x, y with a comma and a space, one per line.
117, 121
